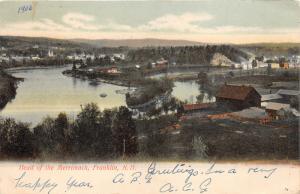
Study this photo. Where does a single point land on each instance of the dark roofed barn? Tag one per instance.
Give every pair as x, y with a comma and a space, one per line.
238, 97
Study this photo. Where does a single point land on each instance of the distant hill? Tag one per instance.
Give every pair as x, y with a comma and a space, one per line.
134, 43
20, 42
201, 55
271, 49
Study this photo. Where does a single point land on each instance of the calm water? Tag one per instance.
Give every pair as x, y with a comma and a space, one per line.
48, 92
188, 91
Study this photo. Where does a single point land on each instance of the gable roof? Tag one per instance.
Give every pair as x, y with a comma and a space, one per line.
288, 92
189, 107
235, 92
276, 106
268, 97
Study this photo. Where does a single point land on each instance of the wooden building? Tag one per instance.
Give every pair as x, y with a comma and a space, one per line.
238, 97
191, 108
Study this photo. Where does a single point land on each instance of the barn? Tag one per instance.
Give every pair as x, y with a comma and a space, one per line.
237, 97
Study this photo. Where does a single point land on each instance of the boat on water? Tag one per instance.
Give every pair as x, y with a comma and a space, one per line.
103, 95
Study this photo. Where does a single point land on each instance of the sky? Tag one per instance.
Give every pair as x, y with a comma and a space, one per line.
211, 21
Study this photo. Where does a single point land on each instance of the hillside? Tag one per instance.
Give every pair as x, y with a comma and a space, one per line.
135, 43
271, 49
201, 55
19, 42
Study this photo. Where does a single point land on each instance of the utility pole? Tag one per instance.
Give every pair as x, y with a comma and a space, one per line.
124, 149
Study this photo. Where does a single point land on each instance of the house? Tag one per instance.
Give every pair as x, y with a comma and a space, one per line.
288, 93
161, 63
113, 70
238, 97
120, 56
284, 65
281, 96
270, 97
4, 58
251, 113
273, 109
110, 70
34, 58
275, 65
190, 108
50, 53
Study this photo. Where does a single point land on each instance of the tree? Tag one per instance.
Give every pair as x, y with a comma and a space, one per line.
84, 130
88, 61
269, 69
61, 125
294, 102
104, 136
203, 78
124, 132
254, 63
74, 66
44, 134
16, 140
180, 109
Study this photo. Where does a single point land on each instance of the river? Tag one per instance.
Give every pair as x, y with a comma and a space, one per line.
47, 92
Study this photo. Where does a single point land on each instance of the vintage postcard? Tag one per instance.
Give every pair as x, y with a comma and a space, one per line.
128, 97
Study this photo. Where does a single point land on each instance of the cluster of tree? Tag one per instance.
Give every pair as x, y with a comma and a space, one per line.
92, 135
57, 61
8, 87
151, 88
272, 49
172, 105
185, 55
103, 61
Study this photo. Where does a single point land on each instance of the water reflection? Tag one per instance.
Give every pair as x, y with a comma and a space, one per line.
48, 92
191, 92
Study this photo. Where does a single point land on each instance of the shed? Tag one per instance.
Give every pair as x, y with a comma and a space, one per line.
272, 108
270, 97
238, 97
196, 107
283, 92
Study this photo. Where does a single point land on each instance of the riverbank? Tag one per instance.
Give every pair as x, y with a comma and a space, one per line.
147, 88
8, 88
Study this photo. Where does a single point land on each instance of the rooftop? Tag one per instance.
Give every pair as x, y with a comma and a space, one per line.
235, 92
270, 97
276, 106
252, 112
189, 107
288, 92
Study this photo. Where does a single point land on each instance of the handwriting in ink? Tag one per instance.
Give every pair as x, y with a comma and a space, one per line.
38, 184
187, 187
25, 8
261, 170
204, 185
177, 169
74, 183
119, 178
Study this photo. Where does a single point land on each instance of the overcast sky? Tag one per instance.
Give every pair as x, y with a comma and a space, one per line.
235, 21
